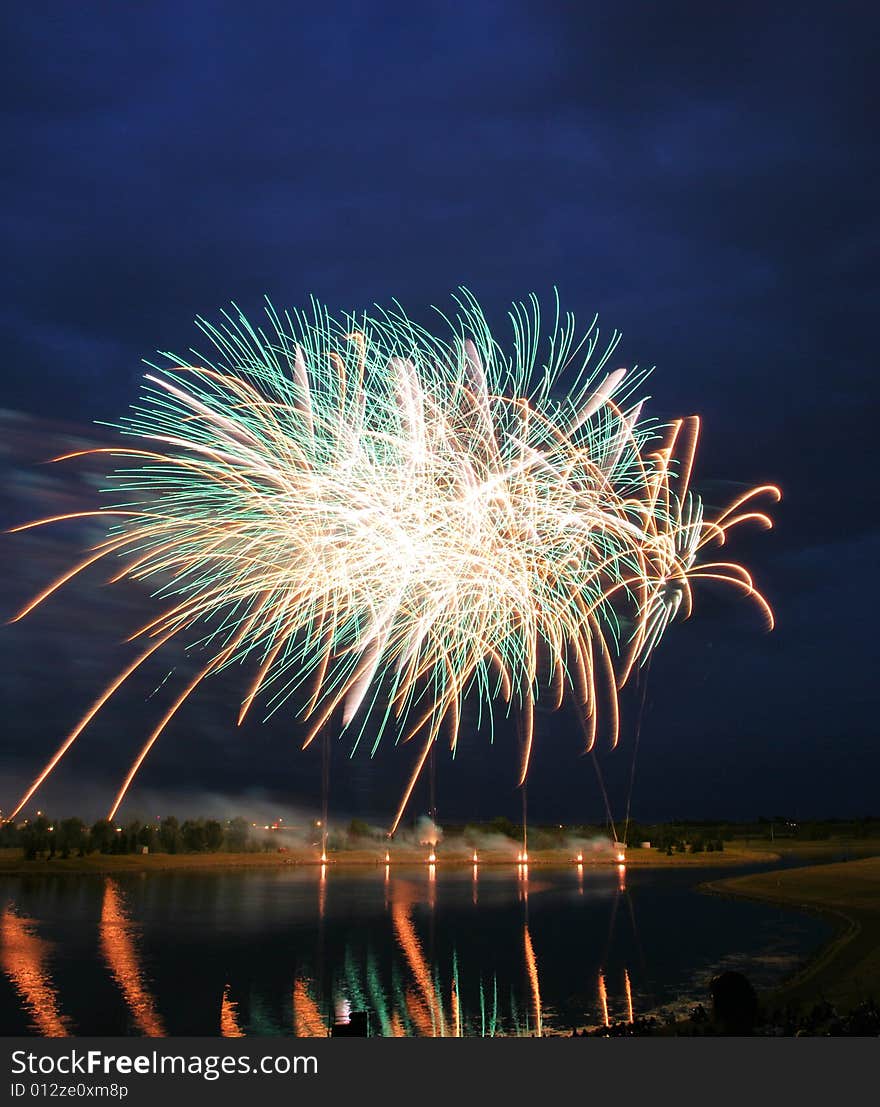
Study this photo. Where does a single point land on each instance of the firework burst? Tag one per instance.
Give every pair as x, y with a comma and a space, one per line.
383, 524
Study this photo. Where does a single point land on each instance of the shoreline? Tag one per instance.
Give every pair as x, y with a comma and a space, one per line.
845, 969
364, 859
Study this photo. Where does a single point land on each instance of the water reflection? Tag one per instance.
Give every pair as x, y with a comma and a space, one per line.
629, 996
603, 999
119, 945
229, 1024
453, 952
25, 957
307, 1020
532, 966
423, 1006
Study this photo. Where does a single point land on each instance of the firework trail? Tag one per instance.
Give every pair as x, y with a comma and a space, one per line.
381, 523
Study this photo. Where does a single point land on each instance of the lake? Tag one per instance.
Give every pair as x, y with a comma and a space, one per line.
291, 951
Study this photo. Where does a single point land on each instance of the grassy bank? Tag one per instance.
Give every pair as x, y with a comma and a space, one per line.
847, 971
831, 849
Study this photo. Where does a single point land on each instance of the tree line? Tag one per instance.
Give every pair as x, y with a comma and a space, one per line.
72, 837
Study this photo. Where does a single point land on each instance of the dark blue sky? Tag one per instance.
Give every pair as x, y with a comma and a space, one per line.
703, 176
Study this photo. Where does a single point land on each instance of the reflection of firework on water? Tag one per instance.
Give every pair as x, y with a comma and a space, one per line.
120, 949
417, 991
24, 957
385, 524
603, 999
229, 1024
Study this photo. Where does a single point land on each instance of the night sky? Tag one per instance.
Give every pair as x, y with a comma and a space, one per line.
702, 176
